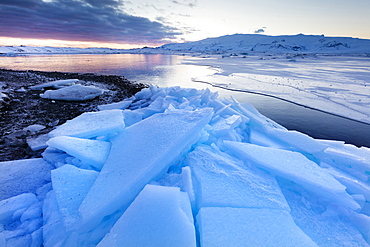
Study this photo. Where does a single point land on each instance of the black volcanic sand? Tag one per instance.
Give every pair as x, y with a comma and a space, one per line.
23, 108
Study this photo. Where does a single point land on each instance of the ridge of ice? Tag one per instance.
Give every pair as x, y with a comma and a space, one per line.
295, 167
137, 156
185, 168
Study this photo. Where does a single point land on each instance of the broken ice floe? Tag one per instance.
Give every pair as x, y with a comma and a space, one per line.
54, 84
73, 93
34, 128
181, 167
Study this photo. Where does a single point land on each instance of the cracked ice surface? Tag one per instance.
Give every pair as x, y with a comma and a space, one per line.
338, 85
181, 167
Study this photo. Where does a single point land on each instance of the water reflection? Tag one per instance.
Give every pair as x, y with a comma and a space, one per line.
153, 69
119, 64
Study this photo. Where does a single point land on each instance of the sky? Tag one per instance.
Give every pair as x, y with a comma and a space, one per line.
138, 23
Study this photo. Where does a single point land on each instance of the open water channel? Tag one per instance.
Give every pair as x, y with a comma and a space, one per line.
165, 71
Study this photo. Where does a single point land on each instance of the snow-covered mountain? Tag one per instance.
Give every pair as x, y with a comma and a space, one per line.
237, 43
246, 43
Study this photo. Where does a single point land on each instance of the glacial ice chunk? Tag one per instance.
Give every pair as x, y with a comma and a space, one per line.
91, 124
226, 226
223, 181
55, 84
297, 140
34, 128
351, 156
71, 185
131, 117
222, 128
11, 205
73, 93
23, 176
92, 152
53, 230
38, 143
295, 167
139, 154
159, 216
116, 105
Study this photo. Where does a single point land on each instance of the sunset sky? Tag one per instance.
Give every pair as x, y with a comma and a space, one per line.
138, 23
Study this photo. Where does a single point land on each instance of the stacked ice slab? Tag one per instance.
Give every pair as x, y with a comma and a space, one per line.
181, 167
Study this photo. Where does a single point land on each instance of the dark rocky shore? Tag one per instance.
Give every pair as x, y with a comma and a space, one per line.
23, 107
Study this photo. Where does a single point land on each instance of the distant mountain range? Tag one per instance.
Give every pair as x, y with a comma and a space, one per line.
240, 43
237, 43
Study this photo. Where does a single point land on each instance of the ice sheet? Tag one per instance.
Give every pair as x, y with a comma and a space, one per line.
159, 216
91, 124
92, 152
249, 227
23, 176
11, 205
335, 84
71, 185
139, 154
295, 167
223, 181
240, 190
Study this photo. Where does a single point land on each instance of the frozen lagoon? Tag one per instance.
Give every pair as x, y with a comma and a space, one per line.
335, 84
187, 168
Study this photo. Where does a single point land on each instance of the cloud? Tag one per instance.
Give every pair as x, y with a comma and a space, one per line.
261, 30
79, 20
191, 3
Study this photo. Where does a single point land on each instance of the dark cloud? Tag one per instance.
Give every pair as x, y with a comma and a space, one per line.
191, 3
89, 20
261, 30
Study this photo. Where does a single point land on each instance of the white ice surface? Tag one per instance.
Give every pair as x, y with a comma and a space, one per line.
23, 176
337, 84
117, 105
295, 167
71, 185
9, 206
73, 93
226, 226
159, 216
20, 221
92, 152
34, 128
91, 124
177, 140
38, 143
140, 153
223, 181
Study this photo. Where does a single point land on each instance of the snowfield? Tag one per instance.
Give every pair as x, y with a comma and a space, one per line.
181, 167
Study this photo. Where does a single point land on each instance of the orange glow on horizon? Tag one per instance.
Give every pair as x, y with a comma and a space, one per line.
6, 41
